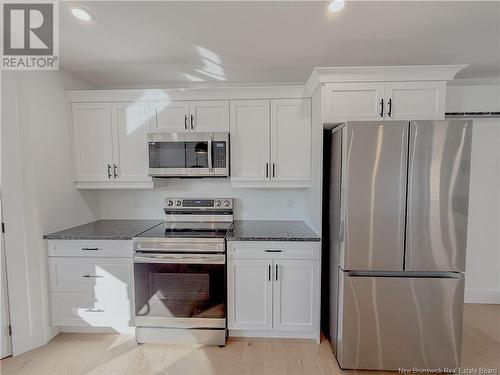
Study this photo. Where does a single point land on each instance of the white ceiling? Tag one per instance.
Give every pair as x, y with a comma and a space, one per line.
132, 43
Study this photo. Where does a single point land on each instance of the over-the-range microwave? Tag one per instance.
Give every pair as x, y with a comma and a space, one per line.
188, 154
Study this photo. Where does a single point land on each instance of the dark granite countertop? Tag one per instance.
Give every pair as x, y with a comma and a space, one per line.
104, 230
271, 230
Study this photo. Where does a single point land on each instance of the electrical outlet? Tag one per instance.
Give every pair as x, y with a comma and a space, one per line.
137, 201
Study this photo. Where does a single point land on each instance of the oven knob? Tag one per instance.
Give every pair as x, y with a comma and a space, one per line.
226, 203
170, 202
218, 203
178, 203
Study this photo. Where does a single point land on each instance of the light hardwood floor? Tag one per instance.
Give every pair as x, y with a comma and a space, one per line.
105, 354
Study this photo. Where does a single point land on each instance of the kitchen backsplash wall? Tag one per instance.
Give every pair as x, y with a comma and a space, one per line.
272, 204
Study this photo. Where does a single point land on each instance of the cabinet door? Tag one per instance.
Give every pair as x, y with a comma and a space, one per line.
249, 294
290, 139
209, 116
415, 100
131, 124
295, 295
353, 101
170, 116
92, 141
250, 140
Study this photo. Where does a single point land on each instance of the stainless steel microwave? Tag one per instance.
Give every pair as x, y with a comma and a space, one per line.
188, 154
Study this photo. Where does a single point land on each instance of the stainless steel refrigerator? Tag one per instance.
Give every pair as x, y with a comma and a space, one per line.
395, 221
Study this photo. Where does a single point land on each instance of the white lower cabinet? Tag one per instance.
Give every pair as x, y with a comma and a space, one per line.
250, 294
295, 302
91, 293
270, 294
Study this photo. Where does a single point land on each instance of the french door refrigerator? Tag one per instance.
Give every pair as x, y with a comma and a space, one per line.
396, 218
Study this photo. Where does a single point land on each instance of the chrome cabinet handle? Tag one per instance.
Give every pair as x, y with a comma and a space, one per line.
92, 276
381, 107
272, 251
94, 310
389, 113
277, 268
114, 170
192, 122
109, 170
185, 122
90, 248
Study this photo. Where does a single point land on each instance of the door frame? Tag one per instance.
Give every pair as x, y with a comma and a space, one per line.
5, 288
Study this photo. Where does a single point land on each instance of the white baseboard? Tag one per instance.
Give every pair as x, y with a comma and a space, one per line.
88, 329
490, 296
50, 333
274, 334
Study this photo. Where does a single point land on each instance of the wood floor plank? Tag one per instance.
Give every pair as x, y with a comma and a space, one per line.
110, 354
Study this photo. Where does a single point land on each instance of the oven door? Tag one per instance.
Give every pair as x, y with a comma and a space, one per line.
188, 154
180, 290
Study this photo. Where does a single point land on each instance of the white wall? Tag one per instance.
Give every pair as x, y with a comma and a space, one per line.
483, 243
38, 193
285, 204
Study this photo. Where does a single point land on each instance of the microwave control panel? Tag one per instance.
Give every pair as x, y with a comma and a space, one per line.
219, 154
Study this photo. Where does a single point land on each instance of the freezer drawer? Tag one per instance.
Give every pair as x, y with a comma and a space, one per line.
387, 323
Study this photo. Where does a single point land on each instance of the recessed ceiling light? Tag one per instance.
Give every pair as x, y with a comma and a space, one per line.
81, 14
336, 5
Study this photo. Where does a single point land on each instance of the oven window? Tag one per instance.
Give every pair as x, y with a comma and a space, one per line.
178, 154
179, 290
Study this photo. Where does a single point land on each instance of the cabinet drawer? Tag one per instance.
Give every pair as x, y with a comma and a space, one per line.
105, 276
90, 310
273, 249
90, 248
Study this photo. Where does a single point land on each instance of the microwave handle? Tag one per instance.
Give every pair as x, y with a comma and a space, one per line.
210, 153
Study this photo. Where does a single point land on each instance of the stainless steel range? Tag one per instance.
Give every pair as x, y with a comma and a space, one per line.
180, 274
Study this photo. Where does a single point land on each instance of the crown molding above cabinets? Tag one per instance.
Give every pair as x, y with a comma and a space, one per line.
162, 95
381, 74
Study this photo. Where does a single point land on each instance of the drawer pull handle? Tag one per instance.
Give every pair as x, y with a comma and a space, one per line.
273, 251
90, 248
94, 310
94, 276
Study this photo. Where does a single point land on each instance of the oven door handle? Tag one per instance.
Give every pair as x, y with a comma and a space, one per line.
181, 259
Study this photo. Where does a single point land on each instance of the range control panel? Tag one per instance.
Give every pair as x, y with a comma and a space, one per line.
199, 203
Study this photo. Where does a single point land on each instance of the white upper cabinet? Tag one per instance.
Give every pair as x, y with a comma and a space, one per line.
110, 145
377, 101
250, 140
270, 143
170, 116
290, 139
190, 116
353, 101
131, 124
415, 100
209, 116
93, 144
